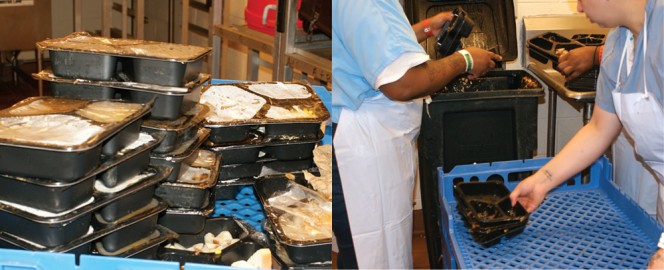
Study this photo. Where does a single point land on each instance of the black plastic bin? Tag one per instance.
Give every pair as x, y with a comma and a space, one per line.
492, 121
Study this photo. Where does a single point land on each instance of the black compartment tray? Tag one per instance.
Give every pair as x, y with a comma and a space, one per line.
293, 257
551, 45
63, 161
176, 131
304, 107
494, 84
299, 251
53, 230
80, 55
183, 155
55, 196
145, 248
186, 221
214, 226
228, 189
487, 204
146, 223
193, 190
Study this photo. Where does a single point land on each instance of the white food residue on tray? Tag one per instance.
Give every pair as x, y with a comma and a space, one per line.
228, 103
323, 160
143, 139
99, 185
305, 216
205, 158
50, 129
282, 113
109, 111
281, 90
44, 213
193, 175
46, 106
211, 243
261, 259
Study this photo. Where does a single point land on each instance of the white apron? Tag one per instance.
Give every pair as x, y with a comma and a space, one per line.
642, 116
376, 154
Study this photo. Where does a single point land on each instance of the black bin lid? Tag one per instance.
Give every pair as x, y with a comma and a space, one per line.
495, 23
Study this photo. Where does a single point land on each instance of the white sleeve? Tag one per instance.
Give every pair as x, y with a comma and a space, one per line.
398, 68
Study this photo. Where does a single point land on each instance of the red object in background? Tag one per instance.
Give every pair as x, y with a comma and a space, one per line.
261, 15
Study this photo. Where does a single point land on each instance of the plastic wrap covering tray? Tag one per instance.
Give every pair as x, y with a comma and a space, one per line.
591, 225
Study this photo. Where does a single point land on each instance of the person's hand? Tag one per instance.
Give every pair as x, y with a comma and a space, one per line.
529, 193
438, 20
483, 61
657, 260
576, 62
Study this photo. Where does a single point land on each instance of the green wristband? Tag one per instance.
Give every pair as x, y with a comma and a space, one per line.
469, 59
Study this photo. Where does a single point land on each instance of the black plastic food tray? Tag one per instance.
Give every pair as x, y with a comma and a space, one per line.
214, 226
488, 203
186, 194
83, 91
55, 196
32, 159
181, 154
164, 72
145, 248
129, 168
167, 106
120, 208
147, 221
54, 230
186, 221
229, 189
228, 134
176, 131
547, 44
234, 171
301, 252
80, 65
46, 195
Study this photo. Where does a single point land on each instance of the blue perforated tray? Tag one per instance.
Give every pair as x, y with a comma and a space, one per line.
245, 206
591, 225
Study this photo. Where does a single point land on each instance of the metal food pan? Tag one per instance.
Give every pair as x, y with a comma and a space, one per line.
214, 226
231, 134
186, 221
47, 195
82, 65
83, 91
167, 106
176, 158
58, 159
176, 131
299, 251
145, 248
293, 131
240, 170
309, 109
228, 189
164, 72
143, 227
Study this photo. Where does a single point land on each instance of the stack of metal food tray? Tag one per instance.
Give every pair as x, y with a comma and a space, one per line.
75, 175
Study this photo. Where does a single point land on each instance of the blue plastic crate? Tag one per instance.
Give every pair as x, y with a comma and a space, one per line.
591, 225
245, 206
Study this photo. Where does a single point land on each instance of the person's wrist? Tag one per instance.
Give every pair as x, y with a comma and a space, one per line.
427, 28
467, 58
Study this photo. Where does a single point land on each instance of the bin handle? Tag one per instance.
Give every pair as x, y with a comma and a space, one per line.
266, 10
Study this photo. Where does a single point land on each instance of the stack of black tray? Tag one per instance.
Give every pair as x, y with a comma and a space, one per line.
487, 211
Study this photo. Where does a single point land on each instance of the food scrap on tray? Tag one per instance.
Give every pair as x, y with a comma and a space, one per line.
261, 259
228, 103
304, 215
280, 90
211, 243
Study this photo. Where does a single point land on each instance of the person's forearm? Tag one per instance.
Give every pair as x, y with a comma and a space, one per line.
582, 150
425, 79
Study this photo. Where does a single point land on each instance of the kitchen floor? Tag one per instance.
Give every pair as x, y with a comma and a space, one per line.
420, 256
